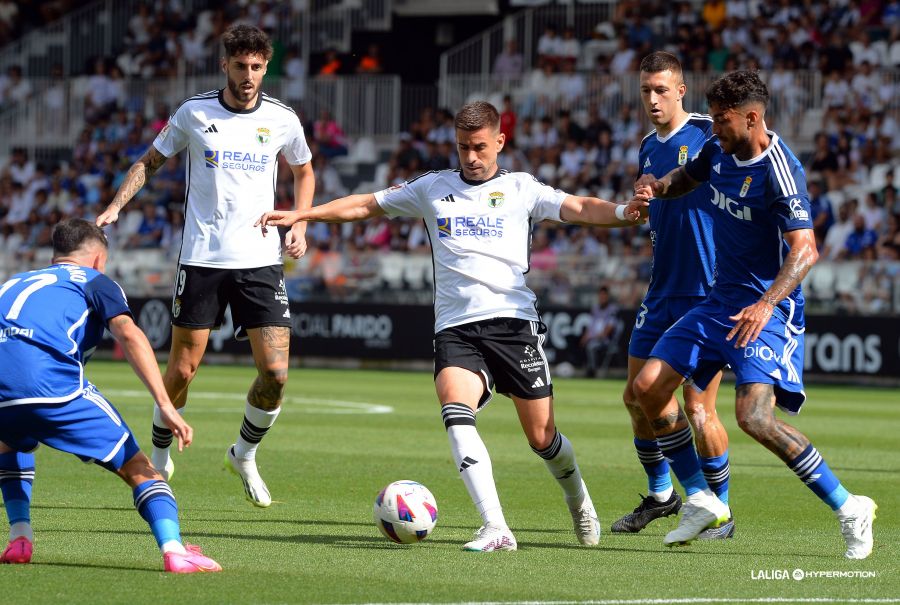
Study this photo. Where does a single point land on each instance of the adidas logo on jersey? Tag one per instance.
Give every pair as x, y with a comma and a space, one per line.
447, 198
717, 168
647, 163
212, 128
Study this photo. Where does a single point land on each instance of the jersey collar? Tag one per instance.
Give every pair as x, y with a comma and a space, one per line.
663, 139
259, 99
500, 172
773, 140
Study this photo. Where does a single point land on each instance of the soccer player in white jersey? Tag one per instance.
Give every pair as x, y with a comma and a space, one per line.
232, 137
683, 272
487, 330
753, 319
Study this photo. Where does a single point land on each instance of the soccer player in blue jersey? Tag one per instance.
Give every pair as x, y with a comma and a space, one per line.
753, 318
51, 320
683, 267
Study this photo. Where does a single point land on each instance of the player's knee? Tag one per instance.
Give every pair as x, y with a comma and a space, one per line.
275, 377
756, 424
629, 398
181, 371
696, 413
540, 439
644, 387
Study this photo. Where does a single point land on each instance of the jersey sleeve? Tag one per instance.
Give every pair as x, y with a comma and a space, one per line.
296, 150
173, 137
789, 200
545, 200
404, 199
107, 298
699, 167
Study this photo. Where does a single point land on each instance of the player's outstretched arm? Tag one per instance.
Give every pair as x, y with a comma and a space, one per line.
140, 355
137, 175
674, 184
355, 207
594, 211
751, 320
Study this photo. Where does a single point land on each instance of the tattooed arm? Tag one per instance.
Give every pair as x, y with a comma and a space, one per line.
674, 184
137, 176
752, 319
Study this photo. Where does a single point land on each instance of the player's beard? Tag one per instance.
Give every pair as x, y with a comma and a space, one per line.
240, 94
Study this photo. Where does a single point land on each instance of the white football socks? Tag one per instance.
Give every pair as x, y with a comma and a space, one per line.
255, 426
474, 465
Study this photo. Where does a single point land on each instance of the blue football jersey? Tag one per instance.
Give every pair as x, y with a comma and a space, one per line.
684, 256
51, 321
753, 203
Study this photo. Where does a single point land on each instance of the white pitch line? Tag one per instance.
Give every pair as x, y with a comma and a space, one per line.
664, 601
322, 406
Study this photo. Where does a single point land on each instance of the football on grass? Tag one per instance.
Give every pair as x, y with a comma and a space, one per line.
405, 512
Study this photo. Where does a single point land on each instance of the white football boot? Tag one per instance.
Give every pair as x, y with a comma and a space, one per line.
856, 527
700, 510
489, 538
254, 487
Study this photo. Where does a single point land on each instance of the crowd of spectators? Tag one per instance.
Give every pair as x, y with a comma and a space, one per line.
581, 148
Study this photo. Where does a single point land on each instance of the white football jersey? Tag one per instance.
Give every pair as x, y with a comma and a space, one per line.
230, 177
480, 236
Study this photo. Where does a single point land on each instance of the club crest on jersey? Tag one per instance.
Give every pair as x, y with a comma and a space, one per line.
745, 187
262, 135
212, 158
682, 155
495, 199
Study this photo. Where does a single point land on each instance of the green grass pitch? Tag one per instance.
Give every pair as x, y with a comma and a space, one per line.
345, 434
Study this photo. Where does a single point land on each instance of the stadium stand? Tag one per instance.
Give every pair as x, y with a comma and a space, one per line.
75, 111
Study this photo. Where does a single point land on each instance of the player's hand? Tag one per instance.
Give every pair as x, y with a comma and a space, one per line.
108, 216
646, 180
180, 429
636, 207
275, 218
295, 240
750, 322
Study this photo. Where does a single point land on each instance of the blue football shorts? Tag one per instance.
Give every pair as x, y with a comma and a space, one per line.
696, 348
655, 316
88, 427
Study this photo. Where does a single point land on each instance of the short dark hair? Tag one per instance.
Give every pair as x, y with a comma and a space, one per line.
661, 61
477, 115
736, 89
72, 233
246, 39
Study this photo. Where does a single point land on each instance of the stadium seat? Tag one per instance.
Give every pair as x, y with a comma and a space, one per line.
878, 176
821, 281
847, 277
414, 269
391, 270
363, 150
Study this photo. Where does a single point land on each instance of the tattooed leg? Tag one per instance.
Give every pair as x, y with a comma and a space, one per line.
270, 346
755, 410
